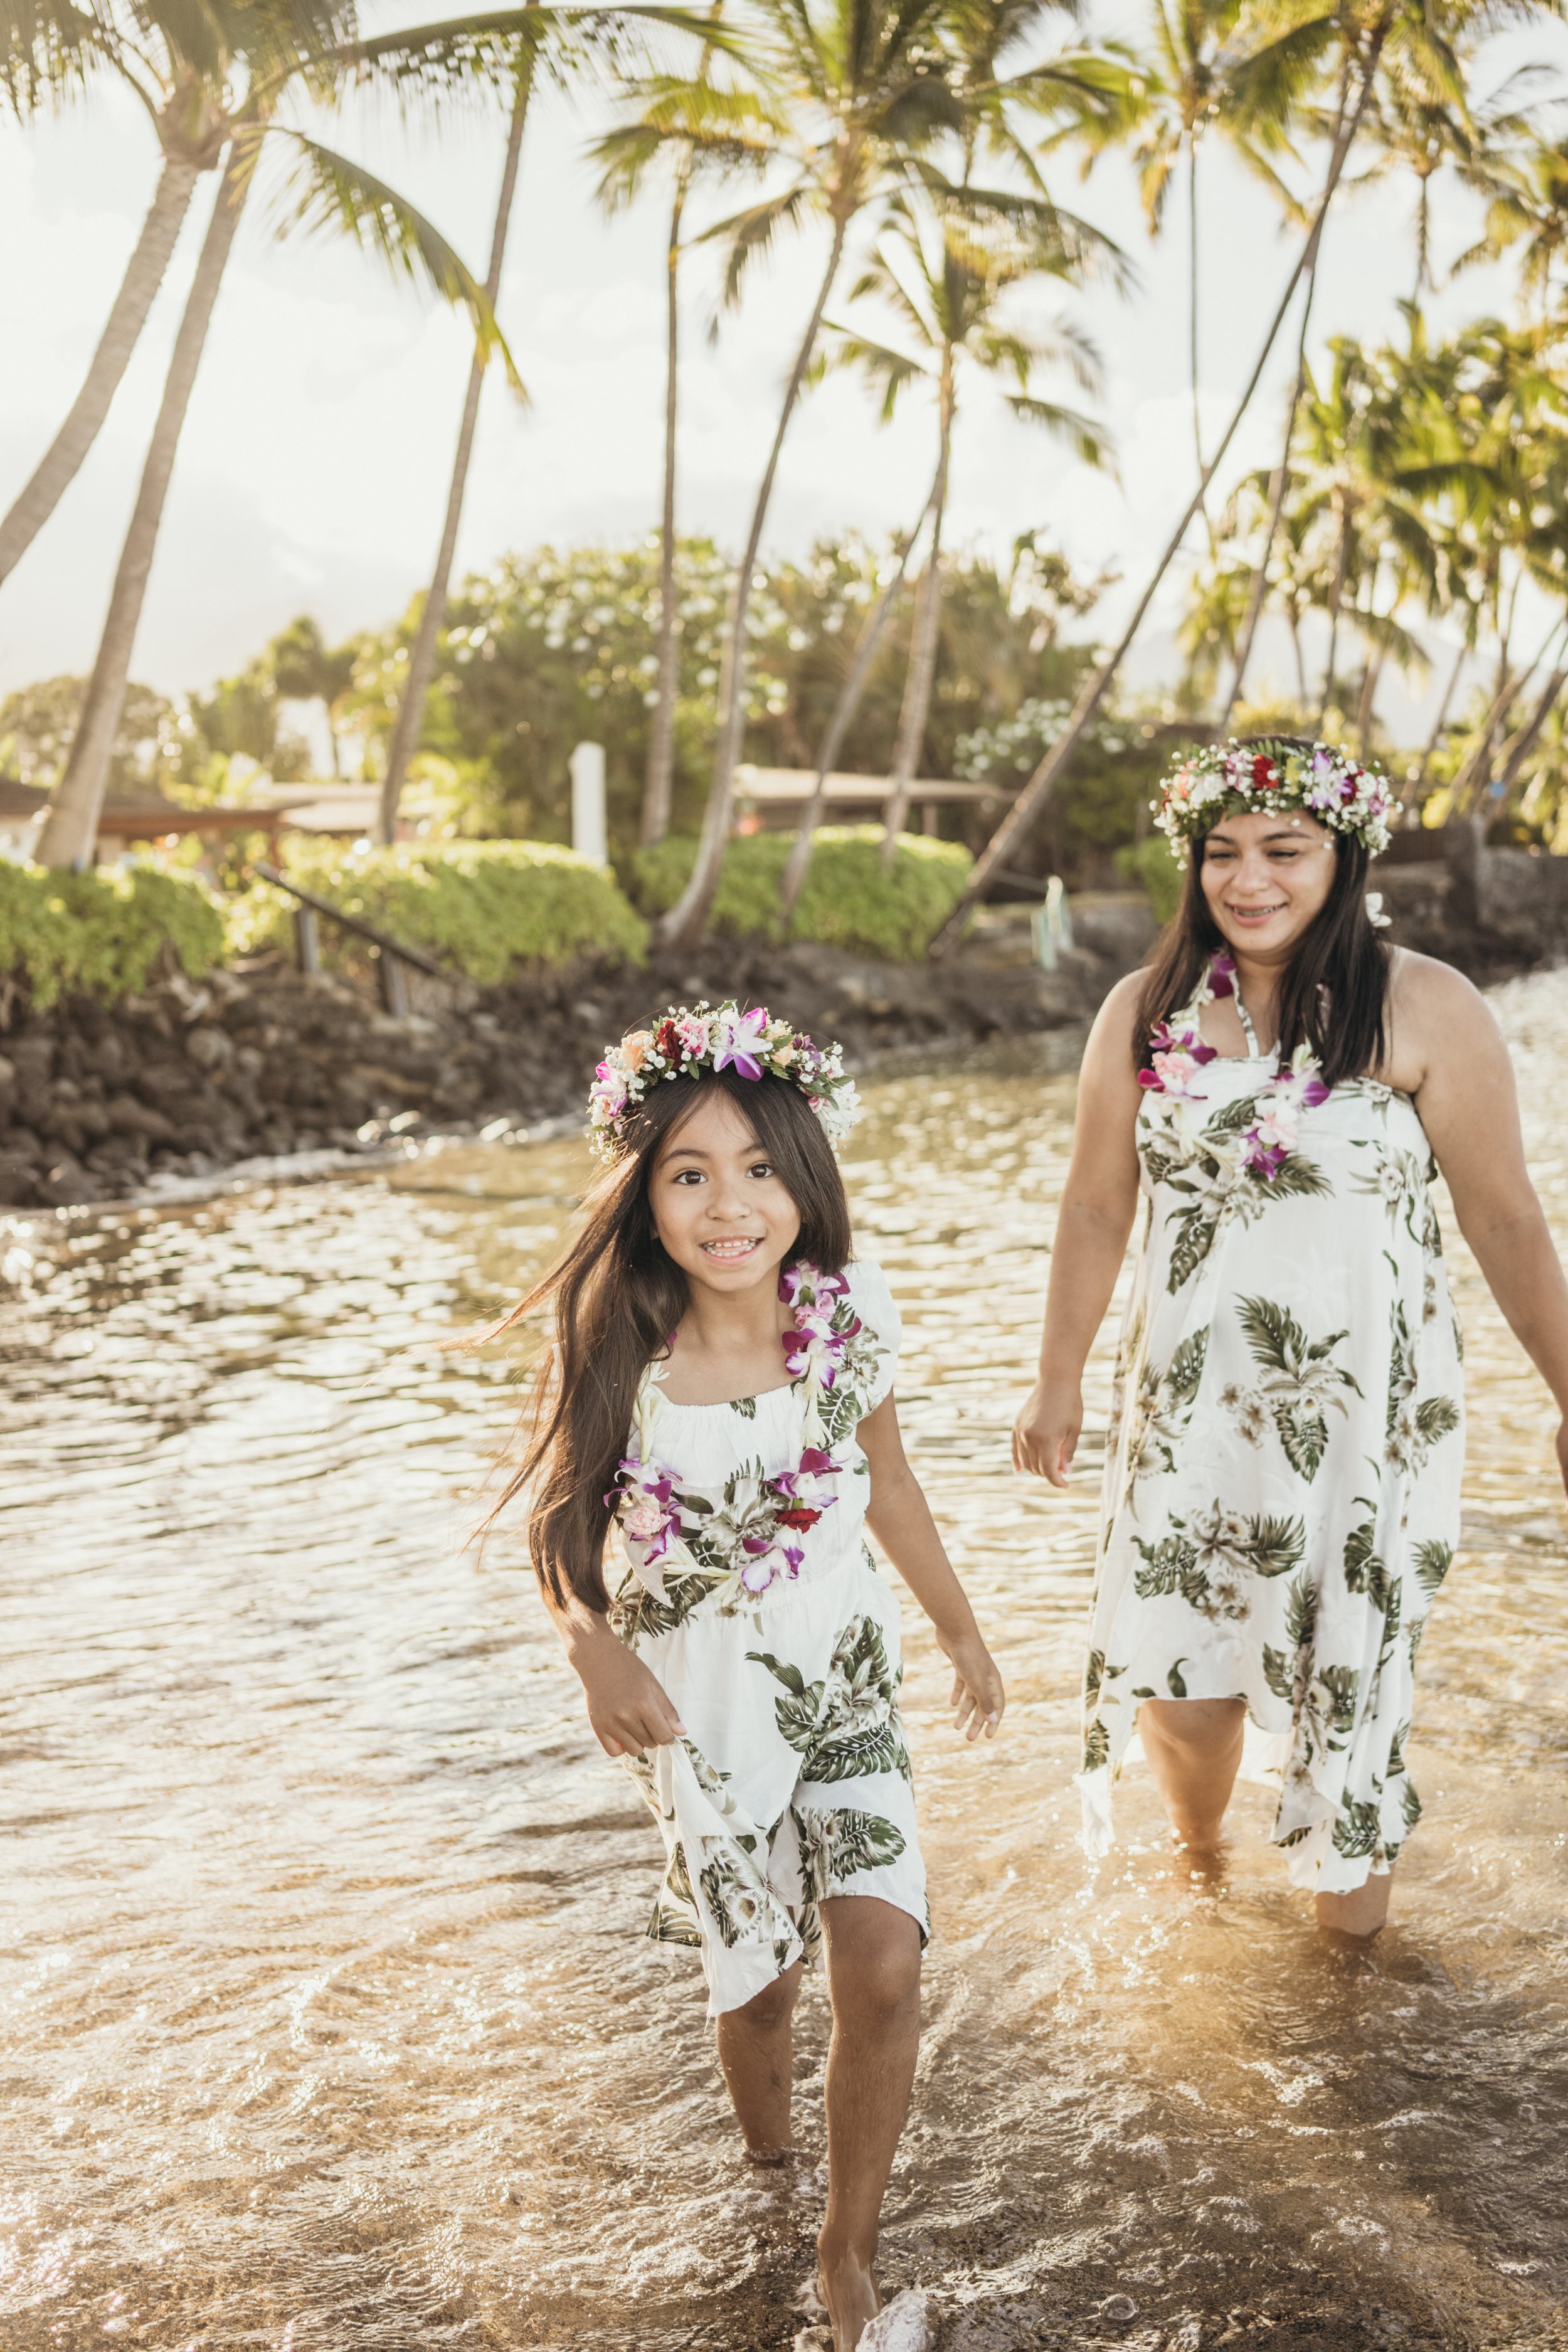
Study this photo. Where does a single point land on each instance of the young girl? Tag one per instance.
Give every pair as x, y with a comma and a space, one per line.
720, 1392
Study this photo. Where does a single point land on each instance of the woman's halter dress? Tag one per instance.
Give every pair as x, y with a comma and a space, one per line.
1281, 1493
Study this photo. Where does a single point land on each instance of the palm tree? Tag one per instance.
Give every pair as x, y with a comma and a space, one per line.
737, 138
305, 669
176, 62
321, 188
858, 92
946, 276
1528, 207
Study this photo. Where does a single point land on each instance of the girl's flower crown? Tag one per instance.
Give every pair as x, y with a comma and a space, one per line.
1271, 774
686, 1040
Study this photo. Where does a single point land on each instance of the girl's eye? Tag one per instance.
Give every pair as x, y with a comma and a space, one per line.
760, 1168
687, 1176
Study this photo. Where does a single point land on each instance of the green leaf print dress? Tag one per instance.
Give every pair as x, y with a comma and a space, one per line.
1281, 1493
751, 1592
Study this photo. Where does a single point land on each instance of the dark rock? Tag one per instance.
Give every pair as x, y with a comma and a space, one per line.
65, 1184
128, 1117
17, 1186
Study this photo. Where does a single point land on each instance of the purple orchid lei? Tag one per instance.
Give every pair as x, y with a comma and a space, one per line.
753, 1542
1178, 1051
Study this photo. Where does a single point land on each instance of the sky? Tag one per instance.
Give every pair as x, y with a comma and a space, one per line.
313, 468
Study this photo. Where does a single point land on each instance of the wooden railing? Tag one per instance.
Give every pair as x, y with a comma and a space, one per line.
392, 954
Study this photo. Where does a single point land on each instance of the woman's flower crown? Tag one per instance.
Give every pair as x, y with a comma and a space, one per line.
1271, 774
686, 1040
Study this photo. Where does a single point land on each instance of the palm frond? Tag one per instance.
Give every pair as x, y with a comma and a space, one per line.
325, 189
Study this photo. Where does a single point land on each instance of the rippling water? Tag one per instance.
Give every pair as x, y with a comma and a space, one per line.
327, 2019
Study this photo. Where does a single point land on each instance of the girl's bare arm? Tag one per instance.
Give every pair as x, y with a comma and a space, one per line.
1099, 1201
900, 1517
628, 1707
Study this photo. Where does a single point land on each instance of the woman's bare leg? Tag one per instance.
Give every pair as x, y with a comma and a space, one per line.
1362, 1912
1193, 1747
756, 2050
874, 1981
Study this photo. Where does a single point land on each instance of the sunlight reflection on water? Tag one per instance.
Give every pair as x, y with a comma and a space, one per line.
328, 2018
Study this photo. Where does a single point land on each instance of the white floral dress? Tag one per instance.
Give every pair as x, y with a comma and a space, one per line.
1281, 1495
793, 1783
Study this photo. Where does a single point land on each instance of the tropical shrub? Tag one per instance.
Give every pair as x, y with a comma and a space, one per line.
482, 906
849, 900
100, 934
1151, 867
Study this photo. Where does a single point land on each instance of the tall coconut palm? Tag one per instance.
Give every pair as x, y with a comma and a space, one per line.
565, 42
319, 188
1343, 46
305, 669
176, 62
737, 138
859, 91
946, 276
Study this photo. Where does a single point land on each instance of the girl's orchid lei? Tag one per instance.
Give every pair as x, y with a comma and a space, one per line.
753, 1536
1234, 779
685, 1040
1178, 1050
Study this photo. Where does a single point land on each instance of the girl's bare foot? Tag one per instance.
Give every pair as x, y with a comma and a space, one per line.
846, 2286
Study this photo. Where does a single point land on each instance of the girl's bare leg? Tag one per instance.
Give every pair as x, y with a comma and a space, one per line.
874, 1981
1361, 1913
1193, 1747
755, 2050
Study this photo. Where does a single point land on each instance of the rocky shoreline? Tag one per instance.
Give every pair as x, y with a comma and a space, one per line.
169, 1089
98, 1103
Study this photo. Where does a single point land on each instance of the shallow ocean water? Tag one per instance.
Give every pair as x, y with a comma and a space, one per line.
327, 2018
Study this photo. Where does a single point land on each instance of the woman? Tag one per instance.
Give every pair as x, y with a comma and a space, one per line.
1281, 1493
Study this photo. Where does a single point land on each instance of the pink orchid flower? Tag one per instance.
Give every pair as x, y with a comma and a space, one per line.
735, 1046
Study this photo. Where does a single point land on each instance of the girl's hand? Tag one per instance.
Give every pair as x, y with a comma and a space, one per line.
978, 1698
1045, 1434
628, 1705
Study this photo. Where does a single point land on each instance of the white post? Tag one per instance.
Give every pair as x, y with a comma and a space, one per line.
589, 836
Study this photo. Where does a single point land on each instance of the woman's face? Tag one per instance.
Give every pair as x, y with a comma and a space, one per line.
1265, 878
722, 1214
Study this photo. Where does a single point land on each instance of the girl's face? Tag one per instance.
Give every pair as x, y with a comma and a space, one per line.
722, 1214
1265, 878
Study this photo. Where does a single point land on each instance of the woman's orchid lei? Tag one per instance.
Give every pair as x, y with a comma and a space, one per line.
687, 1039
1235, 779
1178, 1050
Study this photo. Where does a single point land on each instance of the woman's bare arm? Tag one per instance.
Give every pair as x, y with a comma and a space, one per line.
1099, 1201
900, 1517
1469, 1108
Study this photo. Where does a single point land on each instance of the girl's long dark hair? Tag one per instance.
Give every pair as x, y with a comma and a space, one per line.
616, 1298
1334, 995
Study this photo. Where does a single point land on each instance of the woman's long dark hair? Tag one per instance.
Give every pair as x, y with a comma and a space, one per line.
616, 1298
1334, 994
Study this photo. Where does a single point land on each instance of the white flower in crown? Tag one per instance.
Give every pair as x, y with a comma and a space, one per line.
753, 1043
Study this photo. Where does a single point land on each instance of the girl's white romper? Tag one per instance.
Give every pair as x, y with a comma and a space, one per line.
792, 1781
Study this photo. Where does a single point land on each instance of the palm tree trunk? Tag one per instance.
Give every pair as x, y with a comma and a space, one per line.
1441, 721
1192, 329
1279, 484
70, 828
683, 925
145, 273
1527, 734
1037, 792
848, 702
661, 741
922, 649
1375, 659
422, 653
1336, 598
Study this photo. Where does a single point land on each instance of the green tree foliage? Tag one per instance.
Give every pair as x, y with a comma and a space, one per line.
36, 723
102, 933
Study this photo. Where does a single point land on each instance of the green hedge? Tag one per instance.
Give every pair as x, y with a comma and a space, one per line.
99, 934
482, 906
848, 901
1150, 865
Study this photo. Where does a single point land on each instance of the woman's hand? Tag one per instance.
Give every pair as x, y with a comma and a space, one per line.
1562, 1454
978, 1698
1045, 1434
628, 1707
